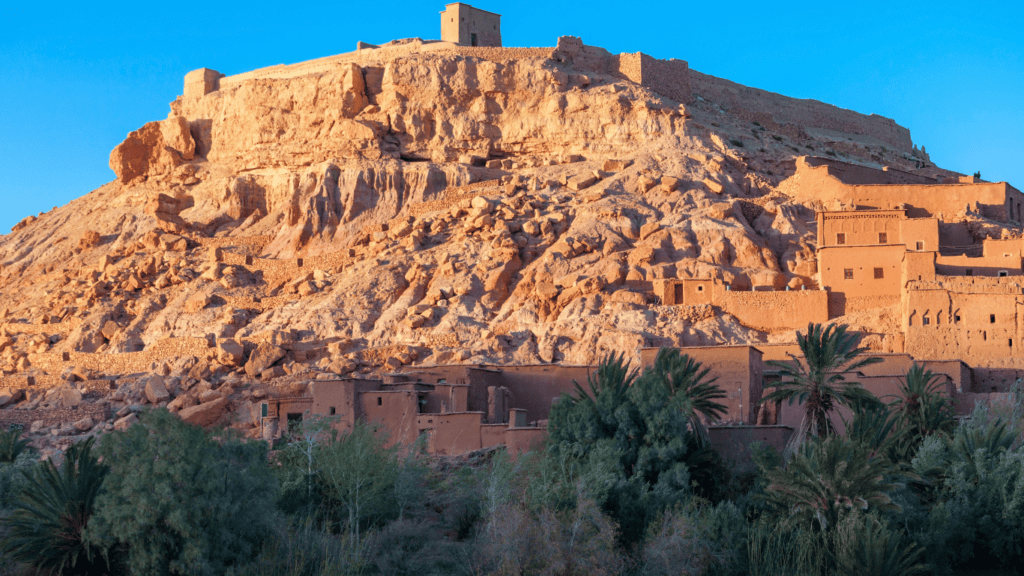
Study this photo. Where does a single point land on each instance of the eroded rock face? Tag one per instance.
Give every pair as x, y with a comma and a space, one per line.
410, 206
155, 149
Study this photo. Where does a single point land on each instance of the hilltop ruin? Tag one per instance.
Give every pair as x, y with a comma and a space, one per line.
443, 236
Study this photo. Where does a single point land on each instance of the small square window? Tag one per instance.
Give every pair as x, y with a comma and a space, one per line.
920, 245
700, 288
991, 318
956, 318
840, 238
926, 321
332, 411
848, 274
1002, 273
879, 273
883, 238
969, 272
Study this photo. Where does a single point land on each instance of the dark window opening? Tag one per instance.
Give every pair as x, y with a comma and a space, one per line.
380, 401
848, 274
472, 39
991, 318
294, 421
969, 272
920, 245
332, 412
263, 410
840, 238
926, 321
700, 288
879, 273
1003, 273
956, 318
883, 238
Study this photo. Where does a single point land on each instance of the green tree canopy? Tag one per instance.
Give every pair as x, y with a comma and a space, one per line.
182, 500
817, 378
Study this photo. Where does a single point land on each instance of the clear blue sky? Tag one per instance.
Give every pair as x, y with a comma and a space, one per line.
76, 78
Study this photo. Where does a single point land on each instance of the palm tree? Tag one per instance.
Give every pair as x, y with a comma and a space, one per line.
45, 529
12, 445
687, 384
828, 478
608, 387
922, 406
817, 379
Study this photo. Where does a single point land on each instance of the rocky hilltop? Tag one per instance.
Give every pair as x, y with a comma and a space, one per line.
418, 202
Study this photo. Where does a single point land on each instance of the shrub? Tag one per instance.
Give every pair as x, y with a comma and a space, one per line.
358, 475
51, 512
182, 500
866, 545
301, 549
11, 445
736, 143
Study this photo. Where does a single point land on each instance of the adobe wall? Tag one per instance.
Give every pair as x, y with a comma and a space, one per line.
767, 311
397, 411
52, 416
451, 434
834, 262
860, 227
670, 78
738, 371
975, 322
945, 201
535, 388
750, 102
849, 173
733, 442
774, 311
992, 266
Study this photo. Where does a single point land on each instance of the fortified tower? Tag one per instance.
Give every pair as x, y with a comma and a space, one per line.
463, 24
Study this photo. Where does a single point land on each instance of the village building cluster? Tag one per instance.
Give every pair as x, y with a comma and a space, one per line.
895, 242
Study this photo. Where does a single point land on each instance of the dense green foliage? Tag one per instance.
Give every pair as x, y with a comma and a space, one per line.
11, 445
629, 484
45, 530
817, 378
641, 438
180, 500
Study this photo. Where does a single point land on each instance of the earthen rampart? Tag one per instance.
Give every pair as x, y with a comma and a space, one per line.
821, 183
768, 311
742, 101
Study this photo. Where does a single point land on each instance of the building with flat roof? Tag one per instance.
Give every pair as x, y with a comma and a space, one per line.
469, 26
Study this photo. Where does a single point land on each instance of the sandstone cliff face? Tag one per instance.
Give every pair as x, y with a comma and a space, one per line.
415, 206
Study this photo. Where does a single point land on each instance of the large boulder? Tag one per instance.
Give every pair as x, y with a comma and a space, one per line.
156, 389
206, 414
263, 357
156, 148
229, 353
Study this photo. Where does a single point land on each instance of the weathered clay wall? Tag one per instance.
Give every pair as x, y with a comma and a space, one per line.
738, 371
993, 266
971, 322
848, 173
733, 442
860, 227
945, 201
854, 270
743, 101
774, 311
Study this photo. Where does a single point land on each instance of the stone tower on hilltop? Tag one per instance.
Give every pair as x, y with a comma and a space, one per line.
463, 24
